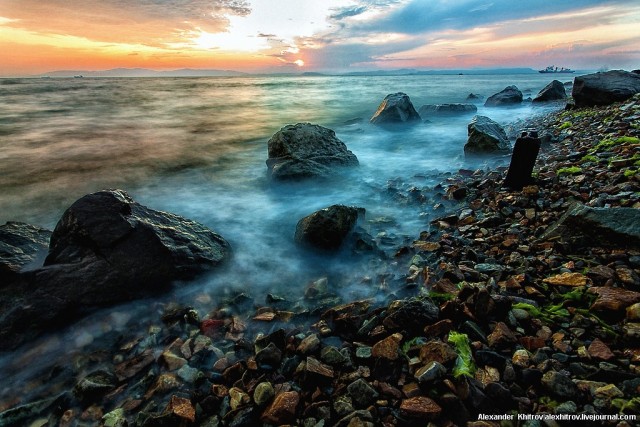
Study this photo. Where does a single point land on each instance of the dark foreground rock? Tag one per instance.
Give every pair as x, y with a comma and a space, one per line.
510, 95
605, 88
486, 136
305, 150
523, 159
395, 109
105, 249
446, 110
327, 228
21, 246
554, 91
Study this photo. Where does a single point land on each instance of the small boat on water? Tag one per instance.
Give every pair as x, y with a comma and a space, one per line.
79, 76
552, 69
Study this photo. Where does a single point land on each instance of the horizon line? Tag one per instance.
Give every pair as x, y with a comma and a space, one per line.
235, 73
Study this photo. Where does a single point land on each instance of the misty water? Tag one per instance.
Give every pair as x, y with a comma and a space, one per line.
197, 147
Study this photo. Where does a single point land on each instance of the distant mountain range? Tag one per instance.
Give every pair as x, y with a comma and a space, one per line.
414, 72
191, 72
143, 72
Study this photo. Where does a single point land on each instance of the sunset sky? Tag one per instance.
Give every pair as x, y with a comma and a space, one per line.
37, 36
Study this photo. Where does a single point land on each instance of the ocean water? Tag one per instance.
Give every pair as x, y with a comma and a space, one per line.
197, 147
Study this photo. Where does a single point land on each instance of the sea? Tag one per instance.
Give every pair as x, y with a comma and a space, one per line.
197, 147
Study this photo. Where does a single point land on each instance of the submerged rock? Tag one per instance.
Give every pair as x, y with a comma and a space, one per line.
485, 136
106, 249
605, 88
396, 108
554, 91
473, 97
510, 95
327, 228
305, 150
21, 246
446, 110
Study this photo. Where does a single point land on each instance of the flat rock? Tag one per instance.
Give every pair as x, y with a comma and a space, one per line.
305, 150
438, 351
446, 110
283, 408
388, 347
420, 407
613, 299
314, 366
181, 408
599, 350
567, 279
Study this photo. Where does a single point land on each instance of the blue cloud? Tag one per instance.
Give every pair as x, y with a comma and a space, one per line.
419, 16
348, 12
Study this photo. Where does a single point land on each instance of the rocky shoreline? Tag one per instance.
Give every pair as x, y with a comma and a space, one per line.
522, 302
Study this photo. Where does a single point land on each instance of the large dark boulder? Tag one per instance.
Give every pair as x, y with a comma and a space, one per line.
446, 110
304, 150
605, 88
21, 246
327, 228
106, 249
486, 136
554, 91
510, 95
395, 109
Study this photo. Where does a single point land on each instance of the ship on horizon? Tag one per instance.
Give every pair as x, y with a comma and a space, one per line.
552, 69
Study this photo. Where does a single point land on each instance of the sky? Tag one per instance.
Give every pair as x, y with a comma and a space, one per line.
37, 36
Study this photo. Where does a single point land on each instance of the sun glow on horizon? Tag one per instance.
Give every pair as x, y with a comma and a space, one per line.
299, 63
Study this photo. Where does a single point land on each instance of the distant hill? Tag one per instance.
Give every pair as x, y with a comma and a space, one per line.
143, 72
413, 72
191, 72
